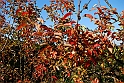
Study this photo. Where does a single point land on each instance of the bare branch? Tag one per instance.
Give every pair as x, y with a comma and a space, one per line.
99, 3
85, 6
111, 7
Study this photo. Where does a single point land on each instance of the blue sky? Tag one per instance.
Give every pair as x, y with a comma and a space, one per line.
119, 4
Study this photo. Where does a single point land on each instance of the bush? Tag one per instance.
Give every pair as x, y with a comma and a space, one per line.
30, 51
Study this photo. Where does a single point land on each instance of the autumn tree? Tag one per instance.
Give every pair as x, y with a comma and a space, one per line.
67, 52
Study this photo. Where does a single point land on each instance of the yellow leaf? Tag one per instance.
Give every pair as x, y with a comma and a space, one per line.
41, 20
110, 49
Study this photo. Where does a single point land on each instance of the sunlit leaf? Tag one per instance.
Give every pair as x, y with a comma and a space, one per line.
66, 15
37, 34
25, 13
21, 26
69, 32
41, 20
38, 26
68, 45
70, 23
18, 11
110, 50
95, 5
89, 16
96, 80
96, 45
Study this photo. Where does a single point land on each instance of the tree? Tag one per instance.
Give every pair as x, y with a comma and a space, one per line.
66, 52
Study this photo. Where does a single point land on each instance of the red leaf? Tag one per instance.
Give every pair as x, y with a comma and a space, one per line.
37, 34
66, 15
68, 74
89, 52
18, 11
99, 10
69, 32
89, 16
21, 26
93, 60
87, 64
96, 80
109, 32
24, 13
96, 54
71, 55
122, 16
45, 28
72, 42
96, 45
54, 53
114, 12
70, 23
54, 77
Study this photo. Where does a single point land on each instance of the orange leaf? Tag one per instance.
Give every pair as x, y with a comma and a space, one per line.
21, 26
110, 49
89, 16
66, 15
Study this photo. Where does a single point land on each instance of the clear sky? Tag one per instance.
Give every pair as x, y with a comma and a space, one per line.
119, 4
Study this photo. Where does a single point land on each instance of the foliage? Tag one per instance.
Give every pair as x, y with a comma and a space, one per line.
30, 51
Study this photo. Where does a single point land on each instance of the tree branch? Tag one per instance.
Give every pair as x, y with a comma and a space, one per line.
111, 7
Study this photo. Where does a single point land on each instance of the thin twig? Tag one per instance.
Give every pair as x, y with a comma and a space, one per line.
85, 6
111, 7
99, 3
78, 14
